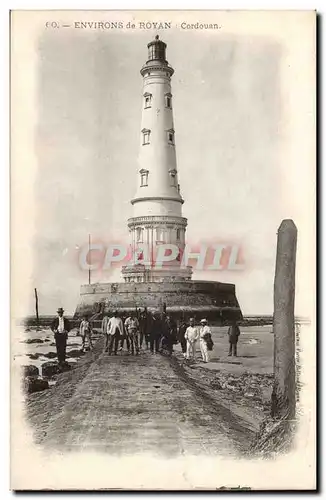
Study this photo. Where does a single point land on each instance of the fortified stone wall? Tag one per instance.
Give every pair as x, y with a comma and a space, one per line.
214, 299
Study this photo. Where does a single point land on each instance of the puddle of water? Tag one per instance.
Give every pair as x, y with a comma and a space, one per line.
251, 341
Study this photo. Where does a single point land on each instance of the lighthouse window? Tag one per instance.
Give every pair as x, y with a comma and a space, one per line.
146, 134
148, 100
170, 136
173, 178
159, 234
168, 101
178, 234
139, 234
151, 52
143, 178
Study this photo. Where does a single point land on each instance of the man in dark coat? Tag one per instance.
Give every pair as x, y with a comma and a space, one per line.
169, 332
233, 332
156, 333
61, 327
143, 319
148, 327
181, 336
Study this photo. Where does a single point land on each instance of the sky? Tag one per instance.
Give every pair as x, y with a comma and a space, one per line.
230, 129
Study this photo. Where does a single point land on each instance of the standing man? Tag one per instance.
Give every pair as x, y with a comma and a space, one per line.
191, 337
104, 324
124, 337
205, 339
156, 332
233, 332
142, 327
181, 337
148, 328
113, 333
169, 335
132, 328
61, 327
85, 331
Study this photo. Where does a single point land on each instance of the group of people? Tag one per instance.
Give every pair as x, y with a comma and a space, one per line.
189, 335
157, 332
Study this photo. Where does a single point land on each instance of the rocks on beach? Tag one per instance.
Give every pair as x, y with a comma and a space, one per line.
49, 369
34, 355
75, 353
50, 355
30, 371
72, 363
33, 341
32, 381
34, 384
255, 388
248, 385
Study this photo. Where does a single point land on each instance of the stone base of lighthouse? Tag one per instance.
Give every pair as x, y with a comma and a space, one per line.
212, 300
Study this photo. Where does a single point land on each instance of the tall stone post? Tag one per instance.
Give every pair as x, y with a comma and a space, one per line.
283, 396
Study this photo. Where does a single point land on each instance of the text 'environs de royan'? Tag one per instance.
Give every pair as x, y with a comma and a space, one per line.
143, 25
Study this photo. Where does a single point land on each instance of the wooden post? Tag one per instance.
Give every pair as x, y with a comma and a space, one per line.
36, 307
283, 396
89, 257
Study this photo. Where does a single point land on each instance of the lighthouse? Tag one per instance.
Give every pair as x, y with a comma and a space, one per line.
157, 204
153, 277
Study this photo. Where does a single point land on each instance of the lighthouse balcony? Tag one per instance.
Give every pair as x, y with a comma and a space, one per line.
150, 220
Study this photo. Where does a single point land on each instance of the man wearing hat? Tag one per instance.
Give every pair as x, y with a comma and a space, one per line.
85, 331
233, 333
205, 339
156, 333
191, 337
61, 326
114, 332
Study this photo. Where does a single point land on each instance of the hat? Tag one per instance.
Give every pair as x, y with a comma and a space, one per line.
203, 320
60, 309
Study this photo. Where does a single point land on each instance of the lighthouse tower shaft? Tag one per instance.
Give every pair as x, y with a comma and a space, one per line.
157, 204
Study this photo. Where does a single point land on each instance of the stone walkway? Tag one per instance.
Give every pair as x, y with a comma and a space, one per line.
137, 404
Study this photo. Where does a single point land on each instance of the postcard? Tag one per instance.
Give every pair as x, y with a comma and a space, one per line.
163, 219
